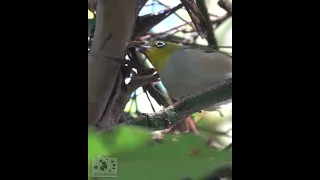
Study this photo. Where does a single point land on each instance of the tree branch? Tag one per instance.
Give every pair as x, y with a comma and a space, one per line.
119, 101
197, 18
114, 28
185, 107
224, 4
211, 38
142, 3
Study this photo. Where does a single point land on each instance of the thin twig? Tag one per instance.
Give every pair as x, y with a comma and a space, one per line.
167, 31
174, 13
211, 38
138, 81
224, 4
142, 4
145, 91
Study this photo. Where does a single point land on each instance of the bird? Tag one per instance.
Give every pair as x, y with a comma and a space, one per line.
186, 70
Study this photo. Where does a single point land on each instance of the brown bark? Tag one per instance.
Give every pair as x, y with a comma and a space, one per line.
114, 26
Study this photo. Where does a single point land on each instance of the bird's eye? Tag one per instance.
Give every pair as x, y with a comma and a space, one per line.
160, 44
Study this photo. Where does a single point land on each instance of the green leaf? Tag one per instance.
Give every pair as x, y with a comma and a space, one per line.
177, 157
139, 157
130, 137
96, 147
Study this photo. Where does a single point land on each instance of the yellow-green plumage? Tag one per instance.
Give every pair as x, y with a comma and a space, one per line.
159, 56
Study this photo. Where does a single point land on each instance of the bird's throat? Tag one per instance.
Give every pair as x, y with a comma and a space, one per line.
159, 61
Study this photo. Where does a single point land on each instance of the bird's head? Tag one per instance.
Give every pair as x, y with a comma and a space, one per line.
159, 52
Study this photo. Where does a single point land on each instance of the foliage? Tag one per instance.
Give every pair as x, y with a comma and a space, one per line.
177, 156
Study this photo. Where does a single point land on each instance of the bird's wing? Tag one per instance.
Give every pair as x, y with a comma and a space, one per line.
189, 72
224, 102
210, 65
206, 49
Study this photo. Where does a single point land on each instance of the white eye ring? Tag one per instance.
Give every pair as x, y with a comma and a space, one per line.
160, 44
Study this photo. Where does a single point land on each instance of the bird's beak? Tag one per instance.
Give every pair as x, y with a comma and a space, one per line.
144, 47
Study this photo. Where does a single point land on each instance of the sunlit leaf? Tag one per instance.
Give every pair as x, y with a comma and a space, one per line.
128, 106
133, 106
90, 15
